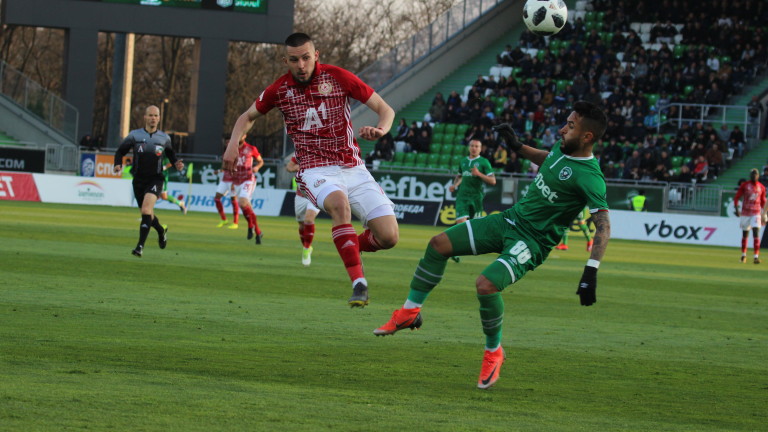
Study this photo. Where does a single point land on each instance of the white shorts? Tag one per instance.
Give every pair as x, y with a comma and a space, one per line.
747, 222
366, 198
224, 188
245, 189
302, 205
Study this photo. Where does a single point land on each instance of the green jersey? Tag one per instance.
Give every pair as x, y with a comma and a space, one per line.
471, 186
558, 194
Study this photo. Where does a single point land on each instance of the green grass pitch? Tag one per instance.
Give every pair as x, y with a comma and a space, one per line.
215, 333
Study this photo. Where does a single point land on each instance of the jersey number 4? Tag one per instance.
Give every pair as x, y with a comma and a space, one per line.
312, 117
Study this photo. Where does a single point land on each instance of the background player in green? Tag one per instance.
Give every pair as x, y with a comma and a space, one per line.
165, 195
583, 224
475, 171
569, 178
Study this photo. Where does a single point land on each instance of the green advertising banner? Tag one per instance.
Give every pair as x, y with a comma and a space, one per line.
206, 172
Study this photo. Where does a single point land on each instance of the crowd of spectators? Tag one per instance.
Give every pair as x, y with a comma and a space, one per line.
721, 46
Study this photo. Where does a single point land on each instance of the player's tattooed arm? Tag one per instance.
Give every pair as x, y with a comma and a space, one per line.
602, 234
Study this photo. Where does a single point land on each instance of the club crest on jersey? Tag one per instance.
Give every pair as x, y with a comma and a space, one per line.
325, 88
319, 182
158, 150
224, 3
566, 173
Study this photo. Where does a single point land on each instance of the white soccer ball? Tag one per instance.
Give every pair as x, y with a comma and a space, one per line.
545, 17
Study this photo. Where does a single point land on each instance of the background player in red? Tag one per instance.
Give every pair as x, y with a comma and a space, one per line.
314, 100
244, 181
753, 213
306, 212
224, 188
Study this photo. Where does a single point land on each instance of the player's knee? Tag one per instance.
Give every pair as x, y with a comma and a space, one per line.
484, 286
442, 244
388, 240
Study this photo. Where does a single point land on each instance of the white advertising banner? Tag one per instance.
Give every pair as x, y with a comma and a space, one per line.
676, 228
265, 202
84, 190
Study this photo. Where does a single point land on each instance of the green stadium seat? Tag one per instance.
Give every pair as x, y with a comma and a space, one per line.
462, 128
445, 159
449, 139
525, 165
421, 159
438, 128
438, 137
687, 90
455, 161
399, 157
590, 16
677, 161
386, 165
433, 160
652, 99
687, 160
435, 148
450, 128
461, 150
410, 159
498, 110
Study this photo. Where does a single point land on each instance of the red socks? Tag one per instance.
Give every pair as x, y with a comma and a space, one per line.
367, 242
250, 216
220, 208
744, 244
307, 234
345, 239
235, 210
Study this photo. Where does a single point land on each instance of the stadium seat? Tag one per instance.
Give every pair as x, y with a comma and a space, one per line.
435, 148
421, 159
677, 161
409, 160
385, 165
460, 149
449, 139
525, 165
462, 129
688, 89
652, 99
450, 128
399, 157
438, 128
445, 159
447, 149
433, 160
456, 160
437, 137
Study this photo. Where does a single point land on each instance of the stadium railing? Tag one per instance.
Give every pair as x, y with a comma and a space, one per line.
43, 104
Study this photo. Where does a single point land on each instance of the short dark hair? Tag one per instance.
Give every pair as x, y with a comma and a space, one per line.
297, 39
593, 118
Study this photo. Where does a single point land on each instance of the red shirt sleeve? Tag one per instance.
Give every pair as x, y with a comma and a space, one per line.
354, 85
267, 99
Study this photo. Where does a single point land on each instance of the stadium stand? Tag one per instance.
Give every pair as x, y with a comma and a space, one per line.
666, 76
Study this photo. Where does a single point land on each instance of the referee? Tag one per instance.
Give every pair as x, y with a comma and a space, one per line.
149, 147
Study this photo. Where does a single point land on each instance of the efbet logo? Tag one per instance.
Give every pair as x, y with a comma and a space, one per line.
680, 232
548, 193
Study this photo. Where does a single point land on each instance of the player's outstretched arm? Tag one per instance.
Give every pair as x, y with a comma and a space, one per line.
243, 124
508, 134
386, 116
588, 283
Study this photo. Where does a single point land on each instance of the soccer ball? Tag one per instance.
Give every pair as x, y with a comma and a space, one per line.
545, 17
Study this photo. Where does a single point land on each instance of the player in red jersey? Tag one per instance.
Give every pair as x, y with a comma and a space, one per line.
222, 190
244, 181
306, 212
314, 101
753, 213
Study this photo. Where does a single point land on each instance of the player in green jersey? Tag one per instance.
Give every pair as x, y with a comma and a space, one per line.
582, 223
569, 179
475, 171
170, 198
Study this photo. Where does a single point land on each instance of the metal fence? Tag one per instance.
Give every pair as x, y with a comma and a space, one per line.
60, 157
425, 41
678, 114
51, 109
692, 197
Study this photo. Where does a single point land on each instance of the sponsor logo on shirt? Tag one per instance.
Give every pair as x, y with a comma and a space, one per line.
319, 182
540, 184
325, 88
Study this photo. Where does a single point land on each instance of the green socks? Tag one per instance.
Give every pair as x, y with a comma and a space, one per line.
492, 317
427, 275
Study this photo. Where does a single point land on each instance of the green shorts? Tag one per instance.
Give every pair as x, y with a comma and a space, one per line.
469, 207
518, 252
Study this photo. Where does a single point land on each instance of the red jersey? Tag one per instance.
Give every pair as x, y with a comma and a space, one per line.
244, 164
754, 198
317, 115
